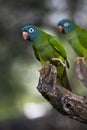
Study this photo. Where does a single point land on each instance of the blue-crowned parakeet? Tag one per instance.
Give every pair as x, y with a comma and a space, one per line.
47, 48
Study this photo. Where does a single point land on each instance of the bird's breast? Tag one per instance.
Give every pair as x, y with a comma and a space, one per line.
46, 52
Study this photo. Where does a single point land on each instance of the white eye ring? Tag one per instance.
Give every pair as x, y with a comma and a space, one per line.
31, 30
66, 24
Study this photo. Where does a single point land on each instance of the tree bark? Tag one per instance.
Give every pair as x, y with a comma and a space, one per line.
64, 101
81, 70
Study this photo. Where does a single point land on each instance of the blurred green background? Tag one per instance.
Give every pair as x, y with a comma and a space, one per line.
21, 105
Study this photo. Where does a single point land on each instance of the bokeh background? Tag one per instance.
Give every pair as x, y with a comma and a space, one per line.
21, 105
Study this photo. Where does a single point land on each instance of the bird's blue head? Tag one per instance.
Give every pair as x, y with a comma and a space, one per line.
30, 33
65, 26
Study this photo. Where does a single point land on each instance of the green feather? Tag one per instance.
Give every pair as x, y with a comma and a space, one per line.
77, 43
82, 35
78, 40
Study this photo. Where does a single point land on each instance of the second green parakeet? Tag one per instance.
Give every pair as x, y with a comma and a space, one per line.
76, 35
47, 48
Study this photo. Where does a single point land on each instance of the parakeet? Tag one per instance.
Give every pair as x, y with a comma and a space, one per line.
76, 35
46, 48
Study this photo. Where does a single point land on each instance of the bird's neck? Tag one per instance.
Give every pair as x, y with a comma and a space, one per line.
41, 40
71, 35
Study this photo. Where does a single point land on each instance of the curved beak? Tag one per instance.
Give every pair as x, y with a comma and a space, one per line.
25, 35
60, 28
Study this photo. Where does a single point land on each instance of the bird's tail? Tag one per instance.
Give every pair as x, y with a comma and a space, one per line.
67, 63
65, 81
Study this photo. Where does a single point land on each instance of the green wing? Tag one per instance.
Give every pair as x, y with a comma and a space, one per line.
82, 35
57, 45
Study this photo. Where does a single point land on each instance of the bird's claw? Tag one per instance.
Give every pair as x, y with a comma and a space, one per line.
80, 59
58, 60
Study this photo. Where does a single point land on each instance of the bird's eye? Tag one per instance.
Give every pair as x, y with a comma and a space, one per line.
31, 30
66, 24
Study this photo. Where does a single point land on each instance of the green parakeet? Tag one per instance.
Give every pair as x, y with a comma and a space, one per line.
47, 48
76, 35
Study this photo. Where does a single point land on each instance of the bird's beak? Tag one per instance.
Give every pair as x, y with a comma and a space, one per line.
25, 35
60, 28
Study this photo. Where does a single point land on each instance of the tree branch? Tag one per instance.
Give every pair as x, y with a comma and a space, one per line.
64, 101
81, 71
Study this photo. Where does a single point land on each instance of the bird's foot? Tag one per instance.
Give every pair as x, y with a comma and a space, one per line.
58, 60
80, 59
